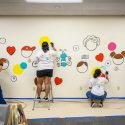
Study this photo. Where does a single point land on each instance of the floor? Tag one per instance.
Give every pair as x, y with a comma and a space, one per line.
115, 120
66, 109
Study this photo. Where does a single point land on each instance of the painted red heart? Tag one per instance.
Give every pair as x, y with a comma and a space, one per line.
11, 50
99, 57
58, 81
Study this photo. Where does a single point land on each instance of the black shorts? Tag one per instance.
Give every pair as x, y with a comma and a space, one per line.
47, 72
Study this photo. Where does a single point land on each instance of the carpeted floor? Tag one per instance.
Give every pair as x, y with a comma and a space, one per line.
109, 120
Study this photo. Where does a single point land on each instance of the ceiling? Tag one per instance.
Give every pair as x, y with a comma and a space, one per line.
88, 7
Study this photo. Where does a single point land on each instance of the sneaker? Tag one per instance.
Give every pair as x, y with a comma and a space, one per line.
38, 98
92, 104
101, 104
45, 98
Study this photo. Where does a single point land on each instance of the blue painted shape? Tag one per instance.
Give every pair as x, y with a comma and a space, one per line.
23, 65
64, 64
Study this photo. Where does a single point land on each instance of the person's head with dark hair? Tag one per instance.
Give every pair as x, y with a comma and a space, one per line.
97, 73
45, 47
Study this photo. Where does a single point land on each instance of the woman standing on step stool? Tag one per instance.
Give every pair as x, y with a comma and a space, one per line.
97, 93
45, 62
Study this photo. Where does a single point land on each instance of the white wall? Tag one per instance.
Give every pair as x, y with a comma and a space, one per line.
65, 32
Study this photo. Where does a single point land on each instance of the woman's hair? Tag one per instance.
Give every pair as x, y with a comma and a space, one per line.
45, 47
1, 64
97, 73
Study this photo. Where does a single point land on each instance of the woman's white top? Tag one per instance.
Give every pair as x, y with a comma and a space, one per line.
45, 60
97, 85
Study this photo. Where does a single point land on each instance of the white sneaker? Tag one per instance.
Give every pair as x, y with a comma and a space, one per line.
93, 104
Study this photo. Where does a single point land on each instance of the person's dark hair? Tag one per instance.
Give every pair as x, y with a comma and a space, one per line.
97, 73
45, 47
1, 64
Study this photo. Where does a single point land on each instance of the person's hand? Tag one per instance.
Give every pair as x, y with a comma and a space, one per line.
106, 73
52, 44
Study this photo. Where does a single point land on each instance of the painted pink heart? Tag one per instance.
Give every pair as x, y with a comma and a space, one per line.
99, 57
11, 50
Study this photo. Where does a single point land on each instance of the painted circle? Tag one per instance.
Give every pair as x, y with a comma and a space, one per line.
44, 39
5, 65
13, 78
82, 67
75, 48
118, 61
23, 65
91, 46
34, 64
107, 63
17, 69
2, 40
111, 46
26, 54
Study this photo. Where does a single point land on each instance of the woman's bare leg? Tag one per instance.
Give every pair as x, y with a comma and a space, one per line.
39, 85
47, 85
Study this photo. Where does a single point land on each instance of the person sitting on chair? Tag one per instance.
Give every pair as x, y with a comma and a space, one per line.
45, 62
2, 101
97, 92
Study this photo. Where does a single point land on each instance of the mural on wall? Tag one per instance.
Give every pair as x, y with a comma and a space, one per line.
13, 78
85, 56
58, 80
11, 50
91, 42
19, 68
107, 63
29, 60
34, 64
112, 46
5, 63
63, 60
117, 59
75, 48
103, 67
44, 39
82, 66
99, 57
116, 68
2, 40
27, 51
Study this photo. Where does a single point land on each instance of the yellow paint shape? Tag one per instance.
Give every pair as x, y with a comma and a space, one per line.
44, 39
17, 69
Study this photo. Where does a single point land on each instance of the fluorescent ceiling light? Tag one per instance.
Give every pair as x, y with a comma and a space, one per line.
55, 1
